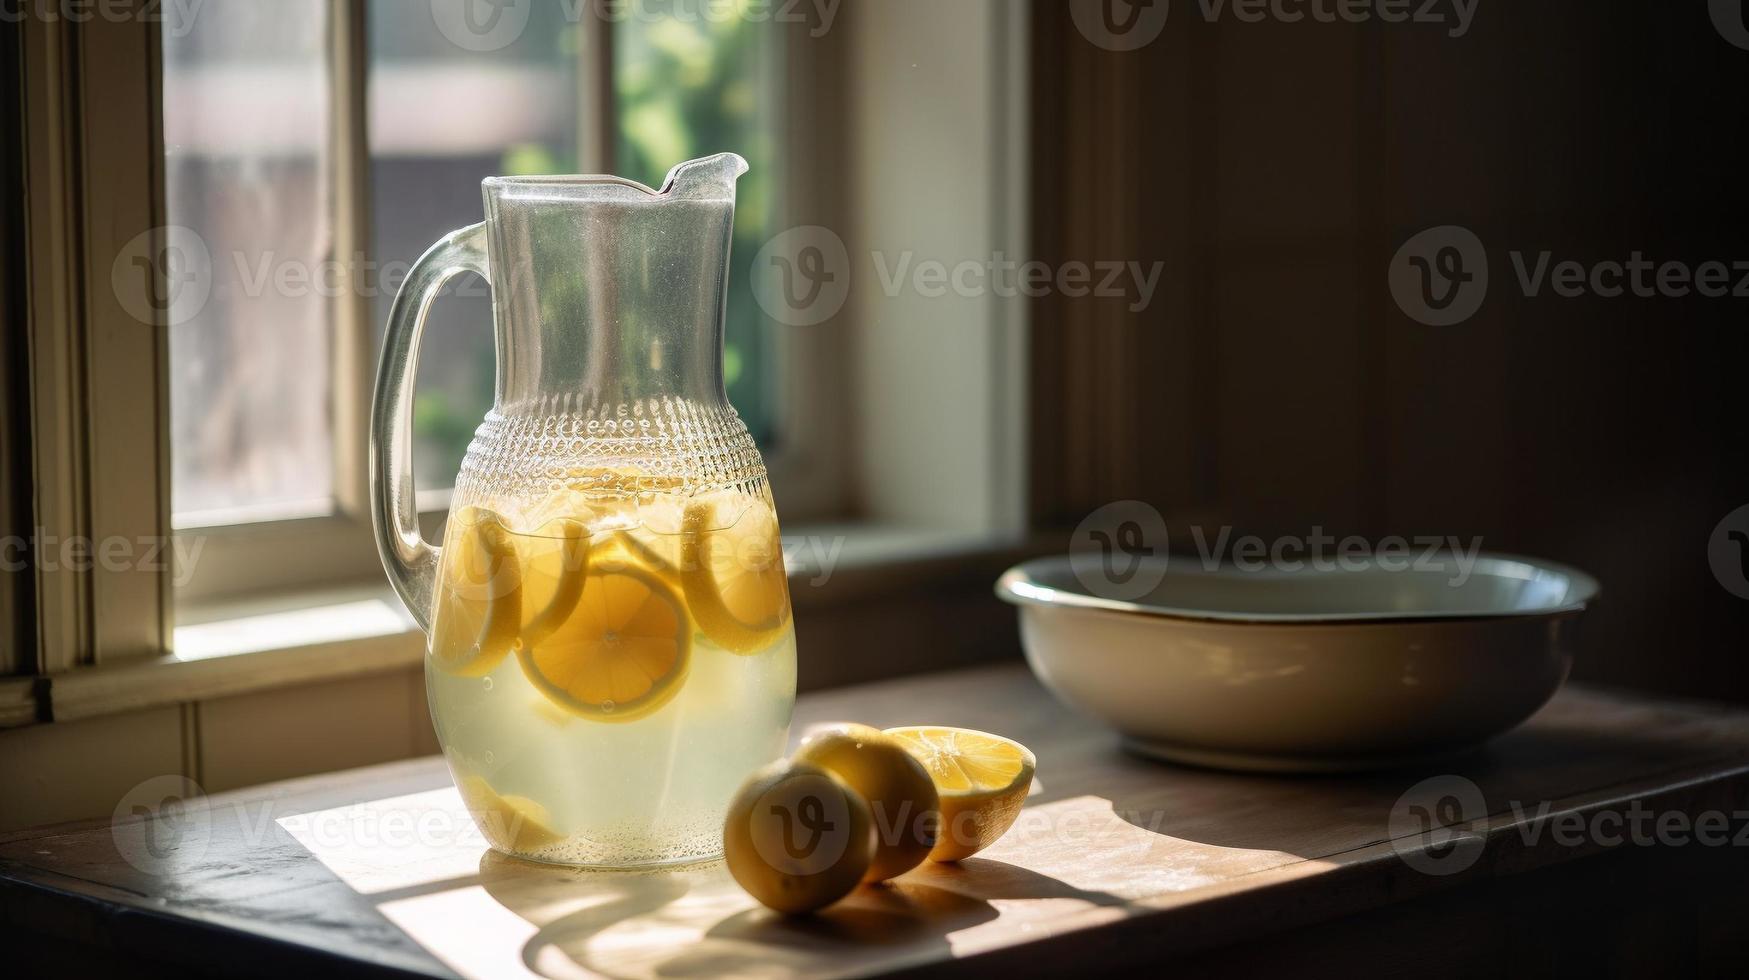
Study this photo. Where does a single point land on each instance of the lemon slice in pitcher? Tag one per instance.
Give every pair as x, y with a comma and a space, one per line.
622, 653
655, 540
732, 568
555, 565
515, 824
479, 604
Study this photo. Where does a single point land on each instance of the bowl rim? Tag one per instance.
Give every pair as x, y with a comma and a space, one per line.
1020, 586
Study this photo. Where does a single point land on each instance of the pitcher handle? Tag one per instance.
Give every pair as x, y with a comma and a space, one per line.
410, 560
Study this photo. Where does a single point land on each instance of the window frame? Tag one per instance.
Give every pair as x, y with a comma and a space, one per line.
95, 418
239, 560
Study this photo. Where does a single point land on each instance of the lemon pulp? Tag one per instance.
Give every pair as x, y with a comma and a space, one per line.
621, 654
982, 780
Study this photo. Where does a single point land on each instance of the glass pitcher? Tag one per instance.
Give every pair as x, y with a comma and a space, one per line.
610, 647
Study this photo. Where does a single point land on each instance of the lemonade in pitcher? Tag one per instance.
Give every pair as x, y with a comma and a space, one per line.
607, 667
610, 645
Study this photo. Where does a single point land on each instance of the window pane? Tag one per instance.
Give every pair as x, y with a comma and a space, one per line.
688, 86
249, 357
442, 117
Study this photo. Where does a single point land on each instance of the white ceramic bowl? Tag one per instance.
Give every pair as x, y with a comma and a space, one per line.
1308, 671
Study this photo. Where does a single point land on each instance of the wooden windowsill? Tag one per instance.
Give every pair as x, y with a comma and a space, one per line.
1115, 862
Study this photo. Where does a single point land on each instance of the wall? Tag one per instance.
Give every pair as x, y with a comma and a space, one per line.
938, 149
78, 769
1275, 385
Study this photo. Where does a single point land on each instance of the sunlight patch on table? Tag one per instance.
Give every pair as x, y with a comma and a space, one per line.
394, 843
470, 933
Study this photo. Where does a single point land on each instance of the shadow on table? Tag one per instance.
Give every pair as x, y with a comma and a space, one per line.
698, 922
1318, 816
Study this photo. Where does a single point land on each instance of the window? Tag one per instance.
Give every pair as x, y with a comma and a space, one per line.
686, 88
306, 224
216, 210
250, 195
441, 118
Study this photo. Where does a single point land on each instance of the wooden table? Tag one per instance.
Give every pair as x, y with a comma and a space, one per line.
1116, 862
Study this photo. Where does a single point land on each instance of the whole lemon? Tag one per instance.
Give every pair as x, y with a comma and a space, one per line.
796, 837
900, 794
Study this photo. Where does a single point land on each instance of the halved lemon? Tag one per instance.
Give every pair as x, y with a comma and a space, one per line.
731, 564
982, 780
622, 653
479, 602
514, 824
555, 565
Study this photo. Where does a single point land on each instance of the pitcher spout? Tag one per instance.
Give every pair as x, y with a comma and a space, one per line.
709, 178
